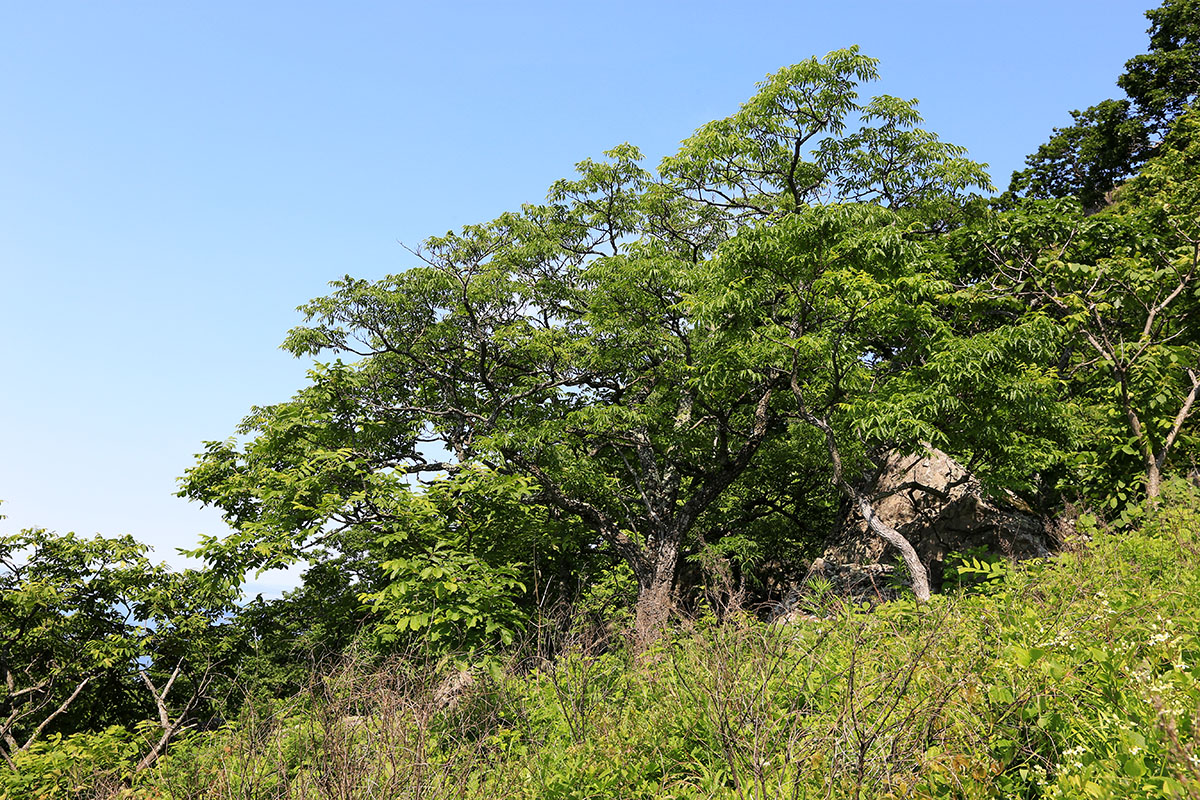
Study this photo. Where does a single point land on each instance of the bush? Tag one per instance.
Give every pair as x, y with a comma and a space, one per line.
83, 765
1069, 677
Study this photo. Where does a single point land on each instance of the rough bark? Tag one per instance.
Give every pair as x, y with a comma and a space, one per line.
656, 583
1153, 481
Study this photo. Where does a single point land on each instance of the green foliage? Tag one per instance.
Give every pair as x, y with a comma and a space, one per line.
64, 601
93, 636
667, 376
608, 349
790, 142
1166, 191
453, 577
608, 598
82, 621
1116, 293
855, 313
1071, 677
976, 569
1087, 159
452, 598
82, 765
1165, 79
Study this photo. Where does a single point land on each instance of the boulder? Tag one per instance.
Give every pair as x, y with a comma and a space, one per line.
940, 508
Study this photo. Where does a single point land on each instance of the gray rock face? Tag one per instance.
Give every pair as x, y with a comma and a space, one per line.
940, 508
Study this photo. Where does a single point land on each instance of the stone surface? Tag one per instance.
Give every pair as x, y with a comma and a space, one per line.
940, 508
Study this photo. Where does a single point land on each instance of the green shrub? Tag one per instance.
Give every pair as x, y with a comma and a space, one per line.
1062, 678
82, 765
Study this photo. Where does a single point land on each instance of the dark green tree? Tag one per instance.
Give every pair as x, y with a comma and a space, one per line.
1108, 142
574, 344
1164, 80
1087, 159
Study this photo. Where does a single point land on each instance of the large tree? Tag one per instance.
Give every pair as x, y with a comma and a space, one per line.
859, 318
574, 343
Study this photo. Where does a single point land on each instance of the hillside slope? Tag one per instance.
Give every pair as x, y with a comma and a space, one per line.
1071, 677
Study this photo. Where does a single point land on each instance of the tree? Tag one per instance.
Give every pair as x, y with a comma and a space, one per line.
852, 312
568, 343
63, 622
1122, 285
184, 643
1166, 79
1109, 141
80, 615
571, 370
1087, 159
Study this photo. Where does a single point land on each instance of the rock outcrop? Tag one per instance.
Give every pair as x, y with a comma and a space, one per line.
940, 508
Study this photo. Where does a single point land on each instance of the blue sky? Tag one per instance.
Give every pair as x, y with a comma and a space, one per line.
176, 178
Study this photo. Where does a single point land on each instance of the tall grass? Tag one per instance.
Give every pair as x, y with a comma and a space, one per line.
1071, 677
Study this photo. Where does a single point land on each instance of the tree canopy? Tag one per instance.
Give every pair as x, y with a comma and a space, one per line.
629, 347
656, 388
811, 280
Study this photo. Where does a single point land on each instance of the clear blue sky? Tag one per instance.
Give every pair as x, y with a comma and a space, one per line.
176, 178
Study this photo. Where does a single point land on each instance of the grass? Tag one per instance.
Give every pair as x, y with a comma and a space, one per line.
1066, 678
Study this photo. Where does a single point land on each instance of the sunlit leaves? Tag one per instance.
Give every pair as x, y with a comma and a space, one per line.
82, 616
451, 598
629, 344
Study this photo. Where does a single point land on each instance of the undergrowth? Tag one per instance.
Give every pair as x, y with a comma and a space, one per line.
1064, 678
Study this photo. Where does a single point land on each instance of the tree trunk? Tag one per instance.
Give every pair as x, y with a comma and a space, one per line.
1156, 461
1153, 481
916, 569
170, 728
920, 575
655, 601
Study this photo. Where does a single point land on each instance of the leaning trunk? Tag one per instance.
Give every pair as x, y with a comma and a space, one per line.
920, 576
916, 569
